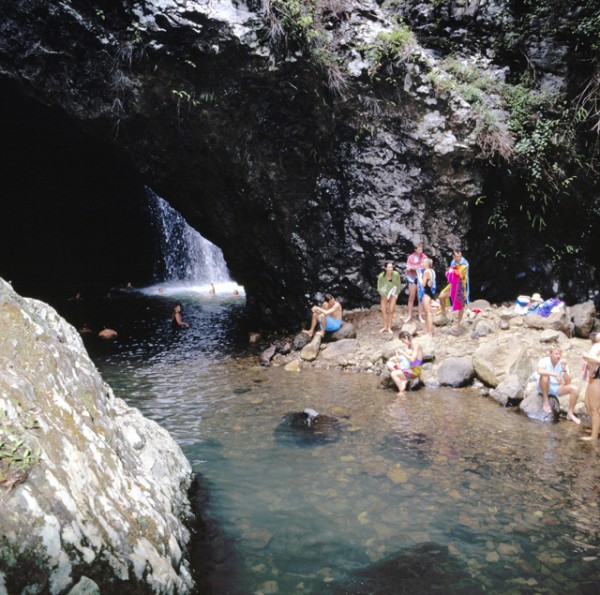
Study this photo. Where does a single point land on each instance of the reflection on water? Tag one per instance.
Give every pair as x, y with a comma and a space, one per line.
442, 491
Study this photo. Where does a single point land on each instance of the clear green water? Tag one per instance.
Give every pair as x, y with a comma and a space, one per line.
441, 492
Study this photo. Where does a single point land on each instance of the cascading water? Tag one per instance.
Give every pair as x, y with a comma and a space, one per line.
187, 259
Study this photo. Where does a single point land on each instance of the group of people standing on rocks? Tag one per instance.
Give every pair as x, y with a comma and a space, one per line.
421, 280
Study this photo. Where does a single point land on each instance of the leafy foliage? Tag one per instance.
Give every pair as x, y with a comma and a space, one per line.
304, 25
16, 457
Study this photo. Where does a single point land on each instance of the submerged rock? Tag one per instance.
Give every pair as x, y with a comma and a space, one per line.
426, 568
308, 428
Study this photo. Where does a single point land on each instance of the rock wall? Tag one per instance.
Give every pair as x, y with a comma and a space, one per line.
93, 494
307, 169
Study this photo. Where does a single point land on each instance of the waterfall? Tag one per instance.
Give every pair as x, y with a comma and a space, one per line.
186, 258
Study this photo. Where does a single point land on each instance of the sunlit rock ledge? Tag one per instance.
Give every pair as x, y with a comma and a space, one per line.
93, 494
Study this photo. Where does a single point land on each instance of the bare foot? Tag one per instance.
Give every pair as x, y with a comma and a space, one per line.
382, 330
422, 319
322, 333
574, 418
547, 408
307, 332
407, 318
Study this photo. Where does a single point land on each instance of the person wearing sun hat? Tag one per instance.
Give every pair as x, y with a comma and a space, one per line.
535, 302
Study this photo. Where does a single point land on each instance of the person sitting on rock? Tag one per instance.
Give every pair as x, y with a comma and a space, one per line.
407, 364
328, 317
554, 379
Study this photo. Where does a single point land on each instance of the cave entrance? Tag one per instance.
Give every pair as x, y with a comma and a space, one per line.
76, 217
187, 261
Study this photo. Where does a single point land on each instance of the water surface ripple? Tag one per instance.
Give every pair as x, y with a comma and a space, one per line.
441, 491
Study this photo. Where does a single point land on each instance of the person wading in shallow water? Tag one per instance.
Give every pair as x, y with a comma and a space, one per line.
176, 319
328, 316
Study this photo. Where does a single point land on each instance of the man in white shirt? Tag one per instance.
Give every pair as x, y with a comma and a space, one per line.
554, 379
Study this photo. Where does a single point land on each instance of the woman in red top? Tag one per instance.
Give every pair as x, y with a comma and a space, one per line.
414, 262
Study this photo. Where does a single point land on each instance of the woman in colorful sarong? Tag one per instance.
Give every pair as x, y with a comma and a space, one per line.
388, 287
407, 364
458, 286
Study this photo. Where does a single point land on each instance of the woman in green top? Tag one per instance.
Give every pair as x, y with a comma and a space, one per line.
389, 287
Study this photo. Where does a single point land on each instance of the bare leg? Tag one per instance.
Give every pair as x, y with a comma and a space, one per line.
421, 310
442, 299
313, 325
399, 380
384, 308
412, 293
545, 387
428, 317
572, 390
592, 403
391, 311
461, 313
323, 320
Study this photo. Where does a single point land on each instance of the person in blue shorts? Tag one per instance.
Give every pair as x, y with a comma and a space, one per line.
553, 378
328, 316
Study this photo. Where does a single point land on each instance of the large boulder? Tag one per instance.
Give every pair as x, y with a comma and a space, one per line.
495, 360
584, 319
482, 328
560, 321
340, 349
533, 405
311, 350
456, 372
346, 331
510, 389
93, 494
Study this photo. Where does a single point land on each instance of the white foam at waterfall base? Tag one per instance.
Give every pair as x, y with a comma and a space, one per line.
174, 288
190, 263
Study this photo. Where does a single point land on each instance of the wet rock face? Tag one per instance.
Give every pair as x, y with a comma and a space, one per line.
305, 191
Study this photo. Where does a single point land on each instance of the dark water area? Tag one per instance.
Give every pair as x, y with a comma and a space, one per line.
441, 491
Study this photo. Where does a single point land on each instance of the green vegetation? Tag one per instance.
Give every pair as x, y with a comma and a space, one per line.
393, 47
545, 150
16, 457
305, 25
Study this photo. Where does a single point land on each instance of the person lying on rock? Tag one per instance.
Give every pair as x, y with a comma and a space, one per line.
328, 317
407, 364
554, 379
